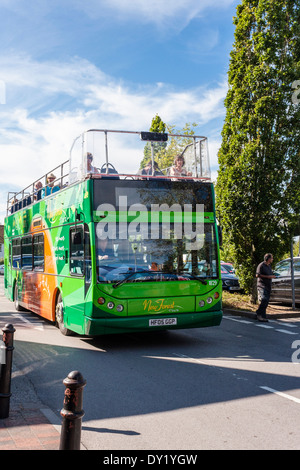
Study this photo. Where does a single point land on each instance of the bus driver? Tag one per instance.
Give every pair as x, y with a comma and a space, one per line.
103, 252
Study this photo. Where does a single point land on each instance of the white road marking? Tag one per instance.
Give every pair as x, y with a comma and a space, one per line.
236, 376
237, 319
270, 327
287, 332
285, 323
264, 326
281, 394
31, 324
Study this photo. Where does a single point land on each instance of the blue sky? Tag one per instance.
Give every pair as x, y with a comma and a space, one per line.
70, 65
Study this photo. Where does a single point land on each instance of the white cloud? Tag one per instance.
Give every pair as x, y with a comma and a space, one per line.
156, 11
49, 103
80, 88
174, 14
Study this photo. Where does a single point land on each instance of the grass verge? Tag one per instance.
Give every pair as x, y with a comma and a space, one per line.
237, 301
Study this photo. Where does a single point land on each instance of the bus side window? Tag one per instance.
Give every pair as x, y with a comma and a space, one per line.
76, 251
26, 252
38, 252
16, 253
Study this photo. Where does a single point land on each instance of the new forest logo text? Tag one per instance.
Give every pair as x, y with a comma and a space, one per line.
159, 305
160, 222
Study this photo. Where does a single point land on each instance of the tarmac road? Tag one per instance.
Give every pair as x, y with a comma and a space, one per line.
235, 386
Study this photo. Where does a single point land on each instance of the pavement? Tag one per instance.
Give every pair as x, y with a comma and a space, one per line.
28, 428
274, 311
30, 424
33, 426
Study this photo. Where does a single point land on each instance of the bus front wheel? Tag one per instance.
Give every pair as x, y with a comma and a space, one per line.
59, 317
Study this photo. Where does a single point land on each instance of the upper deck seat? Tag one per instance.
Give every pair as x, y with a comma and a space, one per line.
112, 172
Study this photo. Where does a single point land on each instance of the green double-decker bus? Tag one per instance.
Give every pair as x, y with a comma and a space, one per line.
99, 251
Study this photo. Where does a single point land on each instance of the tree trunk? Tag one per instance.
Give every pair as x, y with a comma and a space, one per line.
253, 295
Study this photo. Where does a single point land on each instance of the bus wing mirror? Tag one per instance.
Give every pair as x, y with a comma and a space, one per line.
220, 235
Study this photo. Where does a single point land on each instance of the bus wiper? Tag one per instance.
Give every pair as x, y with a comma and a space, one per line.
192, 276
154, 273
144, 271
119, 283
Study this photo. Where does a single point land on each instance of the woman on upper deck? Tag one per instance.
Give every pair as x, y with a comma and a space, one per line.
178, 168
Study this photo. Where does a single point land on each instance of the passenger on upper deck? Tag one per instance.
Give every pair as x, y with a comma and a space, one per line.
89, 167
50, 188
147, 170
178, 168
37, 191
14, 205
86, 168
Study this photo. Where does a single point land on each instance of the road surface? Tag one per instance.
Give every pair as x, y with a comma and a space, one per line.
235, 386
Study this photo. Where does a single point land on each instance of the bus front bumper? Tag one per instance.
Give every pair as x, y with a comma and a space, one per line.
104, 326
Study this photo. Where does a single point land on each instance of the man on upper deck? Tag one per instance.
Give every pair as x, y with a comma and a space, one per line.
51, 188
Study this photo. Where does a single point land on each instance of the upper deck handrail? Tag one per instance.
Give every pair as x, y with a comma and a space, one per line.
17, 200
30, 195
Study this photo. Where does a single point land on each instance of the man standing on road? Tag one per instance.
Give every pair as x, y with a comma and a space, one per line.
264, 276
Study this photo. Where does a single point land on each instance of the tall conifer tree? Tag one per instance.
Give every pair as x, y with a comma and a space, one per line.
258, 185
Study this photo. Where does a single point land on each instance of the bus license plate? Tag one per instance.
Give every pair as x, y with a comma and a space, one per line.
162, 321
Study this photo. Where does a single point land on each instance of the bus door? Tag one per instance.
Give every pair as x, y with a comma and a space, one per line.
26, 272
8, 278
39, 296
76, 286
15, 266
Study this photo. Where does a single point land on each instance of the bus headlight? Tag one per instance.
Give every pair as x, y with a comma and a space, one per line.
120, 308
201, 303
209, 300
110, 305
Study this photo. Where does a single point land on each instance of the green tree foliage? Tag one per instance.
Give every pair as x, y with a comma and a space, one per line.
157, 125
258, 185
165, 152
296, 250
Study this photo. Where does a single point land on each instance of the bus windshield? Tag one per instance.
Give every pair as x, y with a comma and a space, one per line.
154, 231
139, 259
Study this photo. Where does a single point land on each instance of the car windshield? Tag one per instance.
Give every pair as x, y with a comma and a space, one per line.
227, 268
139, 259
283, 268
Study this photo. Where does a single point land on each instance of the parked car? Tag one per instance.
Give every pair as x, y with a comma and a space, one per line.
229, 281
1, 268
282, 285
228, 266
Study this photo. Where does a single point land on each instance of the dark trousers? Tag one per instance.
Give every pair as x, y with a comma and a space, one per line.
264, 297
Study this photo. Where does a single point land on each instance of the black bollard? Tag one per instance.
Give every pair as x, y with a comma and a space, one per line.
5, 376
72, 412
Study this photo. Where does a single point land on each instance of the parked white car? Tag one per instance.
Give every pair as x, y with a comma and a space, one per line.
282, 285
